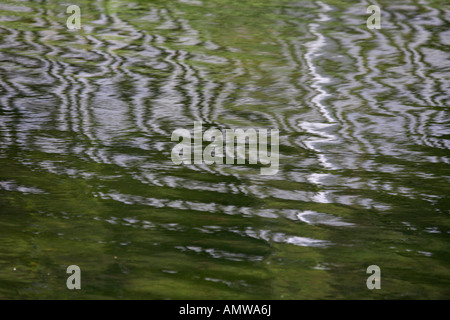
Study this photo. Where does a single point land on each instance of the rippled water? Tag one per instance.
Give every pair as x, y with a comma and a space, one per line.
86, 118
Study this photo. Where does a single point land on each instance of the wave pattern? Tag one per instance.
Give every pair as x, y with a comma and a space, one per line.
86, 116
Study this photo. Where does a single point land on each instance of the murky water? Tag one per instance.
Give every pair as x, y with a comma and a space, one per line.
86, 118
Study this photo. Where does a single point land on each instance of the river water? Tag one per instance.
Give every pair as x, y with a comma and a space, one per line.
86, 176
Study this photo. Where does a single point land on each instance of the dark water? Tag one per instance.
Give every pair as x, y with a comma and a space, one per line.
86, 177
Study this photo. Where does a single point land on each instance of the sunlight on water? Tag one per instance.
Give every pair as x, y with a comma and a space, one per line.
86, 118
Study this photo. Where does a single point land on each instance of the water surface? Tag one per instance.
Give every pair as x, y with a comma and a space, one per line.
86, 176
